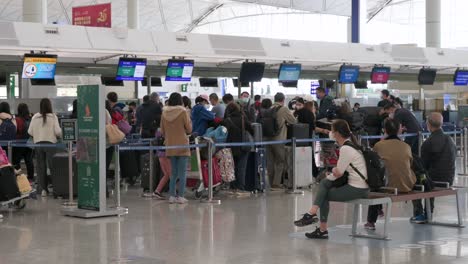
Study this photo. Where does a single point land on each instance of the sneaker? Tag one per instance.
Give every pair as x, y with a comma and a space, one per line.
307, 219
181, 200
172, 200
158, 196
147, 194
381, 214
420, 219
317, 234
369, 226
44, 193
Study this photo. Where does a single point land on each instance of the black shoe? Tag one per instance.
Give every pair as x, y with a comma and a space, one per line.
317, 234
307, 219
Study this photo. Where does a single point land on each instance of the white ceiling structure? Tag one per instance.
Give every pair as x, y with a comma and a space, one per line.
186, 15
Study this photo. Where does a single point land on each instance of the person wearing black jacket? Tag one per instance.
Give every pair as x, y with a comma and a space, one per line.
438, 154
236, 123
148, 116
326, 102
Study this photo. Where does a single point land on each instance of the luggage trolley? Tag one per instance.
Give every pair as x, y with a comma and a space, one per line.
19, 202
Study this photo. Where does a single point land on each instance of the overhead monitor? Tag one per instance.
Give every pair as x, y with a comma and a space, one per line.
111, 81
208, 82
39, 66
380, 74
42, 82
427, 76
360, 85
460, 78
327, 83
252, 71
179, 70
3, 79
289, 72
131, 69
235, 82
348, 74
155, 82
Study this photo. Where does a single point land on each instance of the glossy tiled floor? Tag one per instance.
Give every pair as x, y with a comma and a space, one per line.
255, 229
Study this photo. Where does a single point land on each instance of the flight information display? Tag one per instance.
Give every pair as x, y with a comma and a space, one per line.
131, 69
179, 70
348, 74
39, 66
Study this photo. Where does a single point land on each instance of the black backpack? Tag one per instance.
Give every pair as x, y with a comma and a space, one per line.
357, 121
269, 122
375, 168
7, 130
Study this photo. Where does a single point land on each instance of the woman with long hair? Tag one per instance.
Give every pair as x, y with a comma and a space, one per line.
351, 163
44, 129
175, 127
23, 121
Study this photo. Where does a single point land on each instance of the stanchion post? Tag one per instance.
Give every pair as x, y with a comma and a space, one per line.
151, 169
10, 152
464, 139
420, 141
70, 175
117, 175
294, 189
210, 175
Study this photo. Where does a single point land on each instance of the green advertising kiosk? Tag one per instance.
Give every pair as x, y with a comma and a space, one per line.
91, 156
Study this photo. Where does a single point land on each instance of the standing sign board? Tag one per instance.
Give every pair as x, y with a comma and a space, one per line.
92, 16
69, 129
91, 155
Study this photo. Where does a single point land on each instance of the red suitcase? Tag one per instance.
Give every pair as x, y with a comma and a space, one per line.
216, 172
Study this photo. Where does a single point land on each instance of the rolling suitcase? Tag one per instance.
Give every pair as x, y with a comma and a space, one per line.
299, 131
128, 166
302, 166
259, 161
8, 185
60, 177
145, 172
216, 172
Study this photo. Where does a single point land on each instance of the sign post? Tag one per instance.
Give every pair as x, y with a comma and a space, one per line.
91, 157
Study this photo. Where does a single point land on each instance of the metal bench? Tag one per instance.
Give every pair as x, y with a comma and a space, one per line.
388, 199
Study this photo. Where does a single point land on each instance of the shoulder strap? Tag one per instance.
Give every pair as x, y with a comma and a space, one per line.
350, 144
358, 172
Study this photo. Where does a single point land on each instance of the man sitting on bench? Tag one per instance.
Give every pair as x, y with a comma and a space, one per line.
398, 159
438, 154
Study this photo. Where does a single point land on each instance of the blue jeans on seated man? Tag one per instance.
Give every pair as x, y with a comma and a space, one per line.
179, 172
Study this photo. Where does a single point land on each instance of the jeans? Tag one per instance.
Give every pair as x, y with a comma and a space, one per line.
418, 208
27, 155
326, 194
276, 164
44, 160
240, 168
179, 172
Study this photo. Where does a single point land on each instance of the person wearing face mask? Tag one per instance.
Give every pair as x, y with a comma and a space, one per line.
408, 121
200, 115
247, 106
351, 163
326, 102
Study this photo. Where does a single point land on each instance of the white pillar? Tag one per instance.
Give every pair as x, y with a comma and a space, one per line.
349, 33
35, 11
433, 17
133, 18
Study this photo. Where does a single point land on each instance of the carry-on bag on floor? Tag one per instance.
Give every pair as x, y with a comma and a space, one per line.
302, 166
145, 172
299, 131
252, 182
216, 172
128, 166
60, 177
8, 185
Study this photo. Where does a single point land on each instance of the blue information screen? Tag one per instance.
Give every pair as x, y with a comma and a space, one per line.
348, 74
461, 78
289, 72
179, 70
131, 69
39, 67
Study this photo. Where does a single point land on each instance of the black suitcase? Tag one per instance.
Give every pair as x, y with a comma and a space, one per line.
255, 172
299, 131
60, 177
129, 166
8, 185
145, 172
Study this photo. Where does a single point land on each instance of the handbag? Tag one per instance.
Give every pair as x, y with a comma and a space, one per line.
341, 181
124, 126
23, 184
114, 135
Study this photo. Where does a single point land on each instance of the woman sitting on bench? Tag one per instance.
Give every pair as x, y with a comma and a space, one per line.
335, 187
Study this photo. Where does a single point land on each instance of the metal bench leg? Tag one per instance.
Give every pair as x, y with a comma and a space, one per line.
430, 220
460, 217
427, 206
388, 212
355, 219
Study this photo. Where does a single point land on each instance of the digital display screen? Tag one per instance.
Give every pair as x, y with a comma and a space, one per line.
179, 70
460, 78
348, 74
37, 66
380, 74
131, 69
252, 72
427, 76
289, 72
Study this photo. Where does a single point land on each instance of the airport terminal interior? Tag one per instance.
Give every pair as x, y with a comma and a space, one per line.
233, 131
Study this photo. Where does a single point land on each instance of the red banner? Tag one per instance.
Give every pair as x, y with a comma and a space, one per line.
92, 16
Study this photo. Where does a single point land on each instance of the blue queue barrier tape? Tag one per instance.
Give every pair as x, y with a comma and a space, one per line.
125, 148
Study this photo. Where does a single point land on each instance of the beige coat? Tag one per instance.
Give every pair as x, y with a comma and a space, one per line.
284, 117
398, 162
175, 127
